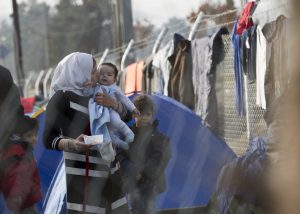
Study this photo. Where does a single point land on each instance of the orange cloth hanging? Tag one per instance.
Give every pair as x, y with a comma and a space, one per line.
134, 78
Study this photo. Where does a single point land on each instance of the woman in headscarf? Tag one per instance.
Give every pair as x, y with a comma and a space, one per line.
67, 120
11, 110
19, 178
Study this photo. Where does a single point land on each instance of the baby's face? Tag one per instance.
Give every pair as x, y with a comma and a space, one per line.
106, 75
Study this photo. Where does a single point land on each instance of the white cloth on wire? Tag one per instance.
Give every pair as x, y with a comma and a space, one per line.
162, 69
261, 67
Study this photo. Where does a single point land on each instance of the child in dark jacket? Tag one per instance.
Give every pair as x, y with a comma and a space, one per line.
20, 182
143, 165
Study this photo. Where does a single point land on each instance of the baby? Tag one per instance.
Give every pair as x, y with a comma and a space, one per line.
105, 120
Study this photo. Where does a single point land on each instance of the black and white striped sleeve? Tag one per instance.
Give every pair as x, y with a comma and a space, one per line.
53, 121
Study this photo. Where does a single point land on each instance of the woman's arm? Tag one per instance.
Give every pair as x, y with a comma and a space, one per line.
55, 119
67, 144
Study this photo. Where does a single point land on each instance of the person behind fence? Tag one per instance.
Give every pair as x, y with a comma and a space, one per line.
105, 120
143, 165
20, 181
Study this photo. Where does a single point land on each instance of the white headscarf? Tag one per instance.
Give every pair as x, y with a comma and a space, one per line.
71, 73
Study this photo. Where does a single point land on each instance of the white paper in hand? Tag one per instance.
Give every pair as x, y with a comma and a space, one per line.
93, 140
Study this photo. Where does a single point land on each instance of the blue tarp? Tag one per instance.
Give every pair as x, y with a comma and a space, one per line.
197, 156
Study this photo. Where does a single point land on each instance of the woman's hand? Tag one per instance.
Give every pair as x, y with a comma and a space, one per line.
79, 144
76, 145
105, 100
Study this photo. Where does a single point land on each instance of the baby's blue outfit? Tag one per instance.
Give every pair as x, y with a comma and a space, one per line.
106, 121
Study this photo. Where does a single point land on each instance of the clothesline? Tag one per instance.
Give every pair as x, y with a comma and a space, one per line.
121, 49
216, 26
139, 42
151, 42
180, 31
206, 17
145, 45
213, 16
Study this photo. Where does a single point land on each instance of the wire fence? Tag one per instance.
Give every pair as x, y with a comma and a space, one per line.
234, 128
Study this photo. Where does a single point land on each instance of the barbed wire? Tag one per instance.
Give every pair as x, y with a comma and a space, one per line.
137, 46
206, 17
211, 17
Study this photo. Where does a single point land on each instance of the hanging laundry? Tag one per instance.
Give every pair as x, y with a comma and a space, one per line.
134, 77
261, 67
276, 78
148, 74
181, 77
162, 69
248, 53
238, 72
207, 53
245, 21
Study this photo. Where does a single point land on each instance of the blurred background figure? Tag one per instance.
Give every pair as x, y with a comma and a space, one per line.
285, 150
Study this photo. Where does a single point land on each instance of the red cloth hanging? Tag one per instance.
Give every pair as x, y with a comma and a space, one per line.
27, 104
245, 21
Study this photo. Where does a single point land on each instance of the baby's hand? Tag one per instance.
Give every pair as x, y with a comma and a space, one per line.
136, 112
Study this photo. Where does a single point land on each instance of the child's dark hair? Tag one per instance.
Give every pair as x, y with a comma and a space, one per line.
112, 66
143, 103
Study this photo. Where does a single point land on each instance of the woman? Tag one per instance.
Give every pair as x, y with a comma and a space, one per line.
19, 179
67, 121
11, 110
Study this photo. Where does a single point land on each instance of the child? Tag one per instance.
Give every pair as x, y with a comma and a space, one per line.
20, 182
143, 165
105, 120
